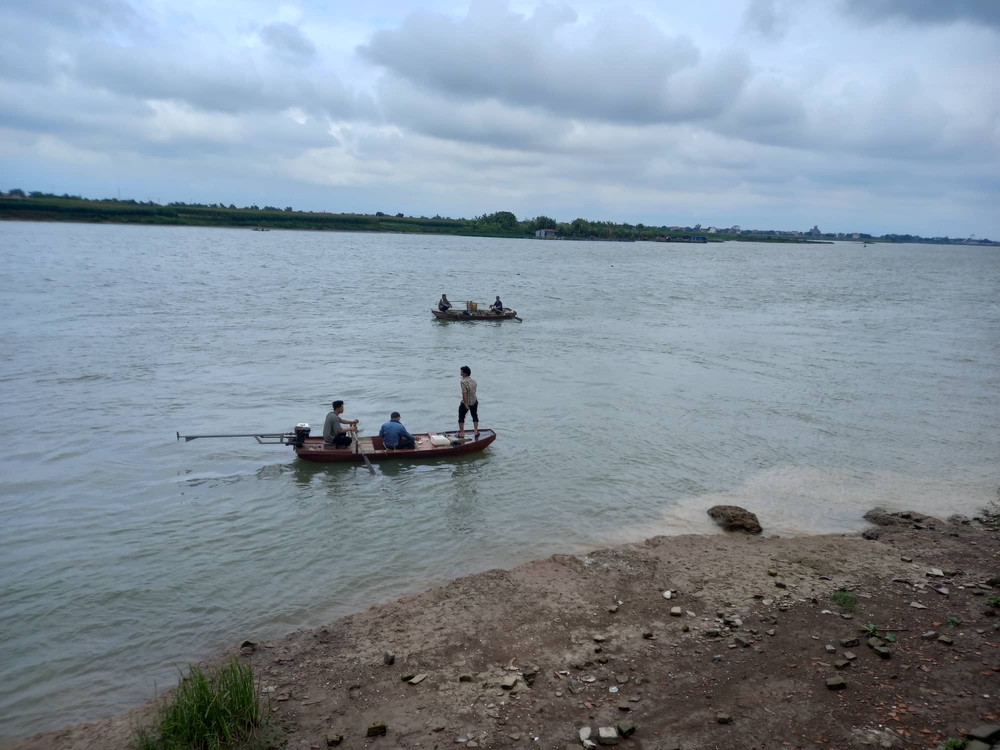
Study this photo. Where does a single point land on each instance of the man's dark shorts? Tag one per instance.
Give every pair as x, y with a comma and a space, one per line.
462, 411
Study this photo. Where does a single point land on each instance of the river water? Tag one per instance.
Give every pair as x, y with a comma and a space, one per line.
646, 382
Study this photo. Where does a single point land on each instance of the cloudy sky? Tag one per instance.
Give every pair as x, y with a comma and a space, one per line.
857, 115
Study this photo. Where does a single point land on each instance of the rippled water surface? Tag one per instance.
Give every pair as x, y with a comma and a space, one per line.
646, 382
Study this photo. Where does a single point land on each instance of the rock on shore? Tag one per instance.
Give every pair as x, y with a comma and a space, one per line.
735, 518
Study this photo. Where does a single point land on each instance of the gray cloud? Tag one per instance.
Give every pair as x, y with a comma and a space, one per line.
620, 69
928, 11
764, 17
288, 41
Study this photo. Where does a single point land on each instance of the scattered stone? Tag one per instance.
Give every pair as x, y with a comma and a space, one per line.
332, 740
906, 558
282, 697
875, 642
408, 676
772, 571
850, 642
770, 632
389, 658
472, 743
735, 518
716, 659
918, 605
841, 663
626, 728
945, 639
713, 633
621, 679
599, 639
589, 744
418, 679
943, 590
648, 635
836, 683
584, 734
742, 641
781, 584
935, 573
723, 718
830, 649
977, 745
465, 678
624, 706
508, 682
882, 651
850, 655
930, 635
668, 594
613, 608
607, 736
676, 611
248, 647
378, 729
691, 614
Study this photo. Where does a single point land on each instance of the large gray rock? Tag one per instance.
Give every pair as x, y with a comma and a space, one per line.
735, 518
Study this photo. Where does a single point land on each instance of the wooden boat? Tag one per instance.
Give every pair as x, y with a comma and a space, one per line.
314, 449
472, 315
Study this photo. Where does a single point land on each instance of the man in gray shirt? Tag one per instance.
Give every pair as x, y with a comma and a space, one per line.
335, 429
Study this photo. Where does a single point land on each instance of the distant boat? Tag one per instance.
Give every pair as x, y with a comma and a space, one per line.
473, 315
261, 229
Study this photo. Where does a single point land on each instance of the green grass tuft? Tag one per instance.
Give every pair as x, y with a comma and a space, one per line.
209, 710
845, 600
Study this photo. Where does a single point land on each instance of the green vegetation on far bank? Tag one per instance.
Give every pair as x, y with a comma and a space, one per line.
36, 206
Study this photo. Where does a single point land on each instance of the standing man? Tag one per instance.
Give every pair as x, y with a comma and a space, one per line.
470, 403
394, 435
335, 429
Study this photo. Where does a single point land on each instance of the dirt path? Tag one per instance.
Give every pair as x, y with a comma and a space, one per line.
576, 658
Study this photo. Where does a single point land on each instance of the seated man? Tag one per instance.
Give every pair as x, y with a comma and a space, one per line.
497, 307
394, 435
334, 429
443, 304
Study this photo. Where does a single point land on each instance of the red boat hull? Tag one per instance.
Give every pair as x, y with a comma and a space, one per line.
315, 450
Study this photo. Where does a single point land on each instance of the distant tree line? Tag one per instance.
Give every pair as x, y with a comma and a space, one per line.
39, 206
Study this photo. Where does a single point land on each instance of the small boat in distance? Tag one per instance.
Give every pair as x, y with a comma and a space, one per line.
261, 229
472, 312
469, 315
429, 445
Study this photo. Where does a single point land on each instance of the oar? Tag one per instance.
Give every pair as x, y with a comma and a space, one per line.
357, 440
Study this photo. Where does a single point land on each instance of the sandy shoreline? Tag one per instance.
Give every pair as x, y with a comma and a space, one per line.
550, 624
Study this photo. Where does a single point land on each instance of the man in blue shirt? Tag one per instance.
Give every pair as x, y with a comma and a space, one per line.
394, 435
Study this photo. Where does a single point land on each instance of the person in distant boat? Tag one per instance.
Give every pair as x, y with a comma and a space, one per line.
335, 429
443, 304
497, 307
394, 435
470, 403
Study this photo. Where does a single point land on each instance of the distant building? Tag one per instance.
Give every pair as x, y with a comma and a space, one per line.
546, 234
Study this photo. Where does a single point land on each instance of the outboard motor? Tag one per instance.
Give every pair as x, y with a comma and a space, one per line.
301, 433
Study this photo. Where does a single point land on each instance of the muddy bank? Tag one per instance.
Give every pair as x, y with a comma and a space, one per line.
739, 656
